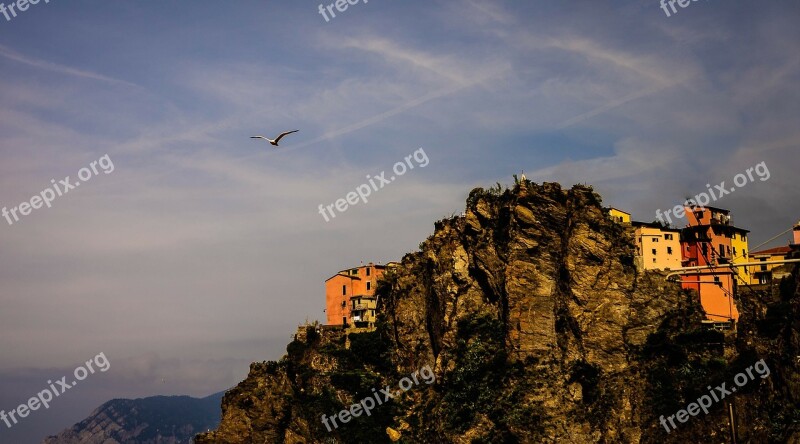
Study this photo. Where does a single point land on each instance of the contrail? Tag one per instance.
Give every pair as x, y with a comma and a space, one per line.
399, 109
43, 64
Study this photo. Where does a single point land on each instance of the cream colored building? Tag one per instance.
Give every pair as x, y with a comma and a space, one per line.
657, 248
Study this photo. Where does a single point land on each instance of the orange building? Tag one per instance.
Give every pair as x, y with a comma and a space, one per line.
350, 295
707, 241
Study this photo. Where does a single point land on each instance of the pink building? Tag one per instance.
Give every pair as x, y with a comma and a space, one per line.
797, 234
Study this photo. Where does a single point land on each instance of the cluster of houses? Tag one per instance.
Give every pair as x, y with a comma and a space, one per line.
710, 256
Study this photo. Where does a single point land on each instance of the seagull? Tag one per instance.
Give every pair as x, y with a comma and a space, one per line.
277, 139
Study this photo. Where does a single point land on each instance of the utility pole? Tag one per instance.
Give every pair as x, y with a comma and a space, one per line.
732, 420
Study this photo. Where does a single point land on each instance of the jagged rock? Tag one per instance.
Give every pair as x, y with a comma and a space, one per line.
538, 329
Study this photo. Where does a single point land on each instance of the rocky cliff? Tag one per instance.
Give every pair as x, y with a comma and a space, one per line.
538, 328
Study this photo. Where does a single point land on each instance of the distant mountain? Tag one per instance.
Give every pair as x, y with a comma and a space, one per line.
158, 419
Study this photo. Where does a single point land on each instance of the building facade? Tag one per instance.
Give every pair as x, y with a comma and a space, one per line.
709, 240
796, 234
619, 216
762, 274
740, 250
657, 248
350, 295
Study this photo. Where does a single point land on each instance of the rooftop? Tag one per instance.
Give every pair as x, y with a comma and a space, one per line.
776, 250
714, 209
347, 272
655, 225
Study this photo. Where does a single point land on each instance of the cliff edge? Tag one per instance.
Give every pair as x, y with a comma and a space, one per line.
538, 328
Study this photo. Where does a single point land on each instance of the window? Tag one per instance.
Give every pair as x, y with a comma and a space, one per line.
655, 239
721, 250
669, 250
369, 285
668, 236
654, 251
344, 290
368, 270
344, 320
734, 251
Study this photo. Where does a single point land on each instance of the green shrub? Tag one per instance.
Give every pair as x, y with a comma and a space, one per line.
296, 349
479, 372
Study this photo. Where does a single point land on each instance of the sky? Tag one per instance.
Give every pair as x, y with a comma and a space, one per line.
201, 250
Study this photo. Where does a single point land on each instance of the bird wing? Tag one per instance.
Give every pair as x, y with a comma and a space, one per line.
258, 137
287, 132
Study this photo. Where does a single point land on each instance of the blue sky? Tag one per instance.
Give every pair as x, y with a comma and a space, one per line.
203, 250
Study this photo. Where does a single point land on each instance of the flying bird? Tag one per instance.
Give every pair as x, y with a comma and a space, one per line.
277, 139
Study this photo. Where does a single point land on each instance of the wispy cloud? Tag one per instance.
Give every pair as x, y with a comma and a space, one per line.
614, 104
401, 109
199, 234
10, 54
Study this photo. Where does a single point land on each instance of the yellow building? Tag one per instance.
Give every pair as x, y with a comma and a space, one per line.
762, 274
657, 248
739, 253
619, 216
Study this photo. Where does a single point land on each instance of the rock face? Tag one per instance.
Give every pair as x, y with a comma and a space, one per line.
154, 420
539, 329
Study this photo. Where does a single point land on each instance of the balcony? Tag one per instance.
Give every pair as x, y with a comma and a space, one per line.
721, 219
